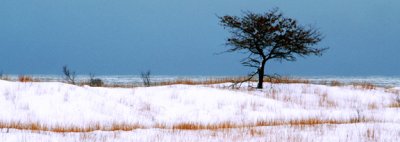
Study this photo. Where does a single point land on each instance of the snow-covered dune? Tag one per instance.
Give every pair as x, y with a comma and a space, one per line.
52, 108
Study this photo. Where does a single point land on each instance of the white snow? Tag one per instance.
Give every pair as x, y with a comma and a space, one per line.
356, 114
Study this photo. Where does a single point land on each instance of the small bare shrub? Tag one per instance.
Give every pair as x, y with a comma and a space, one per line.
336, 83
146, 78
69, 76
95, 82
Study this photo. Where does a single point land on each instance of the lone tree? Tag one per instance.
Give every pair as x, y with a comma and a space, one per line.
269, 36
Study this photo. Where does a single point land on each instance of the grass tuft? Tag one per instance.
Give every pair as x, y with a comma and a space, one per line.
24, 78
364, 85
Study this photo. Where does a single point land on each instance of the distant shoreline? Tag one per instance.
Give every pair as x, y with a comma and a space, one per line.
135, 80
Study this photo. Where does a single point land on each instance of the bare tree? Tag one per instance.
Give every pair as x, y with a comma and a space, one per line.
146, 78
68, 75
269, 36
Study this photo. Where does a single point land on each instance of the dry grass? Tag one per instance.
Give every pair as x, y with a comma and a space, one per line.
286, 80
286, 96
364, 85
37, 126
300, 133
372, 106
119, 85
255, 133
21, 78
309, 121
393, 91
335, 83
24, 78
395, 105
212, 81
274, 80
185, 81
208, 81
325, 102
229, 125
198, 126
110, 85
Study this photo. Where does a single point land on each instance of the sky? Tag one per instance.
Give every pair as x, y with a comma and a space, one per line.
183, 37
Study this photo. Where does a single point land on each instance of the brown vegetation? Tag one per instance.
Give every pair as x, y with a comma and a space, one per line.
336, 83
208, 81
24, 78
285, 80
395, 105
212, 81
37, 126
364, 85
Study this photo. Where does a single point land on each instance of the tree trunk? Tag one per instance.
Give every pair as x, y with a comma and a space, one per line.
261, 75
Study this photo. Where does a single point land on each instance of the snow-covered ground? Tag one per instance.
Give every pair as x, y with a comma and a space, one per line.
280, 112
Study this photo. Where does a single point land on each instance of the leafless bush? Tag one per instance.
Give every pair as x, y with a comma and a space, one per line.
69, 76
95, 82
336, 83
146, 78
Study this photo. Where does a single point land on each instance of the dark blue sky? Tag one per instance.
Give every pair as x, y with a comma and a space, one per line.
181, 37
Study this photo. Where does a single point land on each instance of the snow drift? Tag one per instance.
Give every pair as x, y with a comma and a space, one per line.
54, 108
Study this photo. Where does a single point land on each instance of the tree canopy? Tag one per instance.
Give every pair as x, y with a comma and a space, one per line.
268, 36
